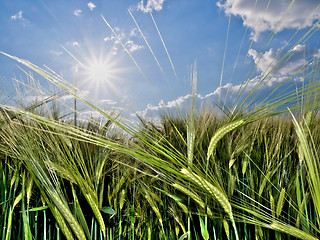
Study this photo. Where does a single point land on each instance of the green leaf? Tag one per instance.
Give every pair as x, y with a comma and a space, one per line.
184, 235
36, 209
204, 230
108, 210
174, 197
132, 218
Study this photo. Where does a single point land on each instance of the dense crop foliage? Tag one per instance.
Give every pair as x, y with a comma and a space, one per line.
61, 181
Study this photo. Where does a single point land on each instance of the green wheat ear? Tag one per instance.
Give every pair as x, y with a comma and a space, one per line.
218, 194
281, 201
221, 133
281, 227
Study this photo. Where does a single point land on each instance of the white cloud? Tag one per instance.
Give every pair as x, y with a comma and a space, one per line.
265, 62
271, 59
133, 46
151, 112
109, 38
17, 16
43, 97
127, 38
299, 48
133, 32
67, 97
114, 50
317, 54
72, 43
108, 102
150, 5
77, 12
112, 111
91, 6
260, 17
182, 103
56, 53
36, 98
92, 114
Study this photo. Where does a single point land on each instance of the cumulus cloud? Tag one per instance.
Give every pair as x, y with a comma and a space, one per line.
260, 17
91, 6
17, 16
271, 59
77, 12
181, 103
150, 5
273, 69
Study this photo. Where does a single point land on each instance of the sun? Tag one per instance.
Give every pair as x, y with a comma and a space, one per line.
99, 72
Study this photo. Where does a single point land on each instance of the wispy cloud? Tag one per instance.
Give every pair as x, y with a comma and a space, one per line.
132, 47
263, 16
72, 44
108, 102
109, 38
128, 38
91, 6
56, 53
115, 50
151, 5
44, 97
134, 32
18, 16
77, 12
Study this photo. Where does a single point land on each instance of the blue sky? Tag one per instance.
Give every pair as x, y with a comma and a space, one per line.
42, 32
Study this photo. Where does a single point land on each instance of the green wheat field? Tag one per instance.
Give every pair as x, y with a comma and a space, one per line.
249, 171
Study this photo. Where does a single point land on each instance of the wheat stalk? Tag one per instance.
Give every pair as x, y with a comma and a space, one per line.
221, 133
